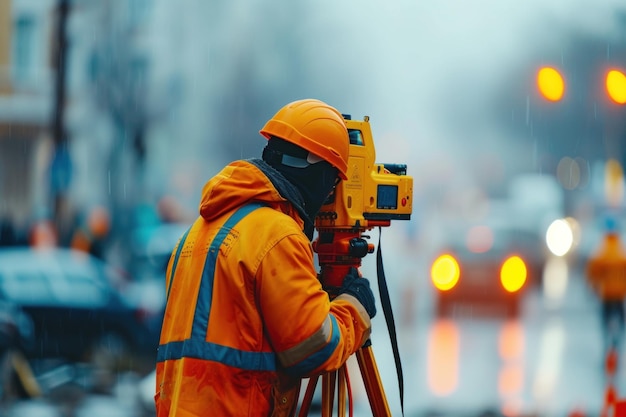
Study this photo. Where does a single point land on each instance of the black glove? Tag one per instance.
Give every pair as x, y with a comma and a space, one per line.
359, 288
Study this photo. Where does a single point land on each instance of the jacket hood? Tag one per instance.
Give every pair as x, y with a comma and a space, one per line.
240, 182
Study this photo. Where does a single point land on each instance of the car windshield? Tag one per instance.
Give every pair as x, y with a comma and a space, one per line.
484, 241
54, 278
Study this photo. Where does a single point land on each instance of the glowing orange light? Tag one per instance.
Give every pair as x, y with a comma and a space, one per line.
511, 379
445, 272
512, 407
513, 274
443, 357
550, 83
44, 235
511, 341
616, 86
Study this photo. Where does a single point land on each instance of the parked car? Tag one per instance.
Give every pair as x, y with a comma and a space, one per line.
79, 307
151, 248
487, 271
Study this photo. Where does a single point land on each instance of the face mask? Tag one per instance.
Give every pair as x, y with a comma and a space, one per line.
315, 183
312, 176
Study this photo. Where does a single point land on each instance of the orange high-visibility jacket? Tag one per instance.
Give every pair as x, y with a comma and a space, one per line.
606, 269
246, 316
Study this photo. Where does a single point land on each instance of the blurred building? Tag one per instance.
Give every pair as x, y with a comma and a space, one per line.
156, 96
126, 127
25, 107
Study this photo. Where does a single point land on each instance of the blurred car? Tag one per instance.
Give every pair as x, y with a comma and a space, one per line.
151, 248
78, 306
487, 271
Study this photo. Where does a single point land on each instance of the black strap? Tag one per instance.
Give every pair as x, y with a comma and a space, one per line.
391, 326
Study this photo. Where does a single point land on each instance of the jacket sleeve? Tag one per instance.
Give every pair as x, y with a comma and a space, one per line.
309, 333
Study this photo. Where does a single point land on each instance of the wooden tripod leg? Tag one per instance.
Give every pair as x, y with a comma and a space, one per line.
308, 397
328, 393
341, 391
372, 382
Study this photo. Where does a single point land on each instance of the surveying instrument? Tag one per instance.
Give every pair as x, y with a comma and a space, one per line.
372, 196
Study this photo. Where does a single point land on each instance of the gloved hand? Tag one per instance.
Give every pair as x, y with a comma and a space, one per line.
359, 288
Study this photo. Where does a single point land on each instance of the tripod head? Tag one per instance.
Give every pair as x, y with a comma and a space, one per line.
337, 252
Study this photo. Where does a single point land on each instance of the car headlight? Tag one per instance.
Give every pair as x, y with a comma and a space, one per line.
560, 237
445, 272
513, 274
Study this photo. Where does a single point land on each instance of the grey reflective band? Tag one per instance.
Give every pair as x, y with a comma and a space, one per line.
318, 358
205, 293
197, 346
200, 349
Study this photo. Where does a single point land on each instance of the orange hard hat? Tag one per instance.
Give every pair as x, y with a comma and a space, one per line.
314, 126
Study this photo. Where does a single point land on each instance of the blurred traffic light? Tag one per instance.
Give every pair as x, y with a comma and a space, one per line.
550, 83
616, 86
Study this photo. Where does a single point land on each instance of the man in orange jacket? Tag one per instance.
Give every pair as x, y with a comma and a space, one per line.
606, 274
246, 316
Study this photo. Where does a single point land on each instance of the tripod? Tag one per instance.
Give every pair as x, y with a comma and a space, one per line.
339, 381
338, 251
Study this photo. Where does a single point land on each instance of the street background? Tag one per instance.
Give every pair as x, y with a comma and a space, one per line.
113, 114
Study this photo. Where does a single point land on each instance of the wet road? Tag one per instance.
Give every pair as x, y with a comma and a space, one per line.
546, 363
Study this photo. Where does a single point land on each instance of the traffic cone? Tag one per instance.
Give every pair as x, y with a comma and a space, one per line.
620, 409
611, 362
610, 398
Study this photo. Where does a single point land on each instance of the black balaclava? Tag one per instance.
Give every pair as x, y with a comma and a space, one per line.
315, 181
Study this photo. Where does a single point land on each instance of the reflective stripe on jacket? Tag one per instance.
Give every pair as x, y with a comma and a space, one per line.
246, 316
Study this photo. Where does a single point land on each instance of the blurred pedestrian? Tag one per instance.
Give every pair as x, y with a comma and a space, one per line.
606, 274
246, 315
43, 234
91, 236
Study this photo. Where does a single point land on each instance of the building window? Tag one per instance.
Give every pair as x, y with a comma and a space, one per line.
23, 48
